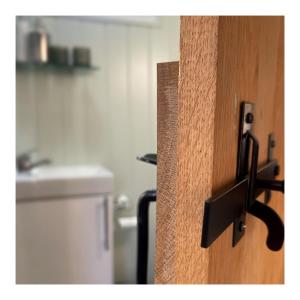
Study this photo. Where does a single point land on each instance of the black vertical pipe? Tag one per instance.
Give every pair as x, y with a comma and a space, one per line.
143, 232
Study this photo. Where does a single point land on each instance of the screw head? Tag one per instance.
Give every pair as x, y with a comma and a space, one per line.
273, 143
249, 118
242, 226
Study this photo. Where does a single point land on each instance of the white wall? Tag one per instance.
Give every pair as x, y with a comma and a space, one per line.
103, 117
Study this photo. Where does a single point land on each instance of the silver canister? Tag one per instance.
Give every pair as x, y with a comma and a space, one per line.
22, 30
38, 46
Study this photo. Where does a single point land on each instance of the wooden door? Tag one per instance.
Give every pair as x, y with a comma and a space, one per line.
223, 61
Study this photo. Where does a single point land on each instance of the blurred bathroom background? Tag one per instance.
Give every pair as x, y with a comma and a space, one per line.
89, 113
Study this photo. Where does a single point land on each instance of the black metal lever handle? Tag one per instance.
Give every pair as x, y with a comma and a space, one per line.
142, 246
263, 212
143, 216
273, 222
273, 185
231, 206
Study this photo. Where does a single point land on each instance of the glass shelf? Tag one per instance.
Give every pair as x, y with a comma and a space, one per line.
52, 67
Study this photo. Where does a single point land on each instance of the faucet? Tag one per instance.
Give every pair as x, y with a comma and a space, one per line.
25, 163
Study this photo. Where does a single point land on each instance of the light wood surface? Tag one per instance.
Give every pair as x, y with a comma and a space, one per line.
167, 95
191, 159
223, 61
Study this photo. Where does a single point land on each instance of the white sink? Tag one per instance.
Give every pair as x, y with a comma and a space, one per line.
57, 181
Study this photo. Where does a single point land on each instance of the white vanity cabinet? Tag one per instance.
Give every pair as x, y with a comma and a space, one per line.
68, 237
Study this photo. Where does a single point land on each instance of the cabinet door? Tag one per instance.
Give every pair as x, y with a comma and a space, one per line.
64, 240
223, 61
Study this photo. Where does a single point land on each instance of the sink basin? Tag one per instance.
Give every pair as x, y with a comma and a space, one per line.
58, 181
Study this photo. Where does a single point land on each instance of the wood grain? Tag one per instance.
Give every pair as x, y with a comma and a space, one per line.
223, 61
167, 100
249, 69
191, 159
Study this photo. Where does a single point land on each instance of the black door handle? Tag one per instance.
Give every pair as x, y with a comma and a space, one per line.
232, 205
143, 233
265, 213
275, 226
143, 225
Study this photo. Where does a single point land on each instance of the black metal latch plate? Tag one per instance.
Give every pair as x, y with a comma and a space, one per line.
232, 205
